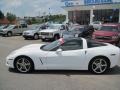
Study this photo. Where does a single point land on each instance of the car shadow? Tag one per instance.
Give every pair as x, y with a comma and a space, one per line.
113, 71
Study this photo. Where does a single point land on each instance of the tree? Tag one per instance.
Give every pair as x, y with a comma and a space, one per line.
1, 15
11, 17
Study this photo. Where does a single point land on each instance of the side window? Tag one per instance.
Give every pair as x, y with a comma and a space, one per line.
15, 27
20, 26
62, 27
72, 45
92, 44
24, 25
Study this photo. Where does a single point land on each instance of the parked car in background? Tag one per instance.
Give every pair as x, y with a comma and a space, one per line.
109, 33
12, 30
65, 54
96, 24
3, 26
53, 32
33, 32
79, 31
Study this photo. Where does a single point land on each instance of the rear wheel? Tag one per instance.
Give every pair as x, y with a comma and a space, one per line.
23, 64
99, 65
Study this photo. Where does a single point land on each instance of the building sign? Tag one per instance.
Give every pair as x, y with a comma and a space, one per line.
91, 2
69, 3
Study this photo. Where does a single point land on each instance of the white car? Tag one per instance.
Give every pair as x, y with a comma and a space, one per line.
96, 24
12, 30
53, 32
65, 54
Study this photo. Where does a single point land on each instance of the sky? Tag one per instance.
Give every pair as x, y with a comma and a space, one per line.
23, 8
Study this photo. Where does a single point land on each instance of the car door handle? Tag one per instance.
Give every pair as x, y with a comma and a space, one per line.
113, 54
85, 52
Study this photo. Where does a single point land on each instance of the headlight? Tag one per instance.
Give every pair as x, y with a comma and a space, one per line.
114, 37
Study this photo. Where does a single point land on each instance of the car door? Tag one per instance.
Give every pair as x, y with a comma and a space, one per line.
69, 56
15, 30
20, 30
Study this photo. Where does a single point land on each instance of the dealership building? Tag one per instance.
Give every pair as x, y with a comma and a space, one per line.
87, 11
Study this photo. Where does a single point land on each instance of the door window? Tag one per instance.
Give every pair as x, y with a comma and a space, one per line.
15, 27
72, 45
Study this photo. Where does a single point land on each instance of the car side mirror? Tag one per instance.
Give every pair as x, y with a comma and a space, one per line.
58, 51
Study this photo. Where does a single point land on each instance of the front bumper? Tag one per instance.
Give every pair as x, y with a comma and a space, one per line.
28, 36
2, 33
45, 36
10, 63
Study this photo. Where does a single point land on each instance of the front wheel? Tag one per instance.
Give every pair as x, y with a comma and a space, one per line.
9, 34
23, 65
36, 36
99, 65
56, 37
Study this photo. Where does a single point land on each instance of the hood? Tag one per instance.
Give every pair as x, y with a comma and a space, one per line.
4, 29
28, 48
34, 48
49, 30
30, 31
31, 47
105, 33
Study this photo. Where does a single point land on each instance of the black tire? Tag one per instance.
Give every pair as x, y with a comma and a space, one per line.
3, 35
56, 37
9, 34
25, 66
43, 40
99, 65
20, 34
36, 36
26, 38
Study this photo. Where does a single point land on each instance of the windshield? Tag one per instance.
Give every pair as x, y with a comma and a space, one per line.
3, 27
76, 29
54, 26
52, 45
109, 28
10, 27
35, 28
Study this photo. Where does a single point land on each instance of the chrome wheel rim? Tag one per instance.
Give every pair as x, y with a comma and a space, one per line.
36, 36
99, 65
23, 65
9, 34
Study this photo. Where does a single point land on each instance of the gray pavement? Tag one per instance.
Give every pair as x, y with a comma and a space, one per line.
51, 80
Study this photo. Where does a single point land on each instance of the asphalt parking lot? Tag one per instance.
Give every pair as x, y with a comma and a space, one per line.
51, 80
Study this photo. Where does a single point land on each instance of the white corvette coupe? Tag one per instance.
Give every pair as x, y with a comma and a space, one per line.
65, 54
